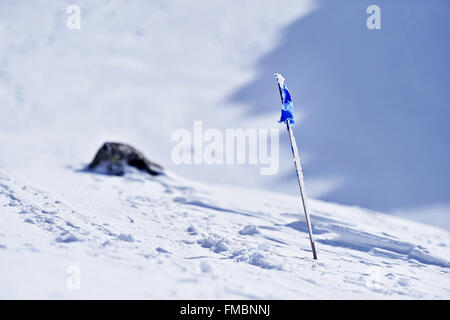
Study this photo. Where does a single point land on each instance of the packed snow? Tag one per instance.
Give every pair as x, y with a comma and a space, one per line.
139, 236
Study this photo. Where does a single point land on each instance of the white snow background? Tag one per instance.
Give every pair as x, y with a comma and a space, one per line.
136, 71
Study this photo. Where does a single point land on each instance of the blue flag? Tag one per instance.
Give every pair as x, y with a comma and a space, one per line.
287, 109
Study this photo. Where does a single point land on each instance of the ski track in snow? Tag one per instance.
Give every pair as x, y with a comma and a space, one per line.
207, 241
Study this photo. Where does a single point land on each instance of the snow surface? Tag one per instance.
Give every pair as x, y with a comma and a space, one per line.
374, 104
167, 237
64, 92
136, 71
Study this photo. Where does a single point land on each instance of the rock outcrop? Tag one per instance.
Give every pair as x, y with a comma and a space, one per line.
113, 158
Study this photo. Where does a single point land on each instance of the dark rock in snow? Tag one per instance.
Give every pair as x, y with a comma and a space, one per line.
112, 158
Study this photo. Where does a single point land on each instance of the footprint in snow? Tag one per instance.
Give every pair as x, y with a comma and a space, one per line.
249, 230
67, 237
161, 250
216, 245
125, 237
192, 231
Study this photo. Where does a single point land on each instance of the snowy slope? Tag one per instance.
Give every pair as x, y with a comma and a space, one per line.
136, 71
133, 73
373, 104
166, 237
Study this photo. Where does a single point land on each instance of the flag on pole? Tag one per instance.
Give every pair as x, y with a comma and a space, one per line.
287, 116
287, 107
